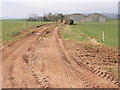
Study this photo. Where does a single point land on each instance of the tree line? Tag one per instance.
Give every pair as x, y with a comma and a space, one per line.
46, 18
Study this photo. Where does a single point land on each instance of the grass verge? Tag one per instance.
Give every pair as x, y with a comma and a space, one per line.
77, 32
110, 29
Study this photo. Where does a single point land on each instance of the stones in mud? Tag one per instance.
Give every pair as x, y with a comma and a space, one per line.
107, 77
2, 48
104, 75
101, 74
87, 62
42, 81
33, 32
44, 86
111, 79
10, 44
97, 72
94, 70
87, 85
82, 55
47, 32
77, 49
116, 83
26, 57
91, 68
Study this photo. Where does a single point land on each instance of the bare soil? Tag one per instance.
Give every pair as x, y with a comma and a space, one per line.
45, 60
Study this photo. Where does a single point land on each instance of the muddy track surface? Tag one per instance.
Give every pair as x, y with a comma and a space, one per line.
42, 60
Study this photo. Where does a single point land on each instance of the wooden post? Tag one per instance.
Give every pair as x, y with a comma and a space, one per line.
103, 36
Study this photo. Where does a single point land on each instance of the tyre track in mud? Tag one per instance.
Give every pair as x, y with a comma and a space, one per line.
49, 64
9, 79
52, 66
67, 59
12, 80
66, 72
66, 65
97, 72
7, 51
105, 76
90, 83
43, 81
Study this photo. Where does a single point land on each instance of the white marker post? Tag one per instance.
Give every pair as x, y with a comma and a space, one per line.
103, 36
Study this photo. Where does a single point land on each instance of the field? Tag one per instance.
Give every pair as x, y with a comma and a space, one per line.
110, 29
11, 27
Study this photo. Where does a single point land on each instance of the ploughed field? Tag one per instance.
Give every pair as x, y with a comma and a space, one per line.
43, 58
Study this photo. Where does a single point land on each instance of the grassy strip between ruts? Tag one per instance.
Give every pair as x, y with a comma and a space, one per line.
68, 34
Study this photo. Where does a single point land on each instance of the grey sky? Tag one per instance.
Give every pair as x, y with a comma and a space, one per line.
23, 9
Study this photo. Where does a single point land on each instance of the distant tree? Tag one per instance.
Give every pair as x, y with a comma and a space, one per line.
32, 17
54, 17
60, 16
49, 16
46, 17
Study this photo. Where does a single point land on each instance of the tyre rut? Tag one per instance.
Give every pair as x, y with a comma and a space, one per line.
12, 66
42, 80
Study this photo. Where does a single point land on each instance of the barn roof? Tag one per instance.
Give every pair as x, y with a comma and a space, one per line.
96, 14
77, 14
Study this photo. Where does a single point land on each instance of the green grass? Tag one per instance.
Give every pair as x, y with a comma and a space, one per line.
110, 29
11, 27
69, 34
109, 69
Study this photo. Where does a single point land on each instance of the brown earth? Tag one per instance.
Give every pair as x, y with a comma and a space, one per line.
44, 60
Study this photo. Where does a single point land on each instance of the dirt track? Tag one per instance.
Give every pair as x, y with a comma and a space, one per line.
42, 60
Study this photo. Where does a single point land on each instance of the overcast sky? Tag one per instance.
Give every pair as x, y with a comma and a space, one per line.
19, 8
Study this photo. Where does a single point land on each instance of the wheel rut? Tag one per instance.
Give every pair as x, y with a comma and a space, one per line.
14, 74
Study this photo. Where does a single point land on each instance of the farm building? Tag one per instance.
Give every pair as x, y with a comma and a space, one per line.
95, 17
77, 17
